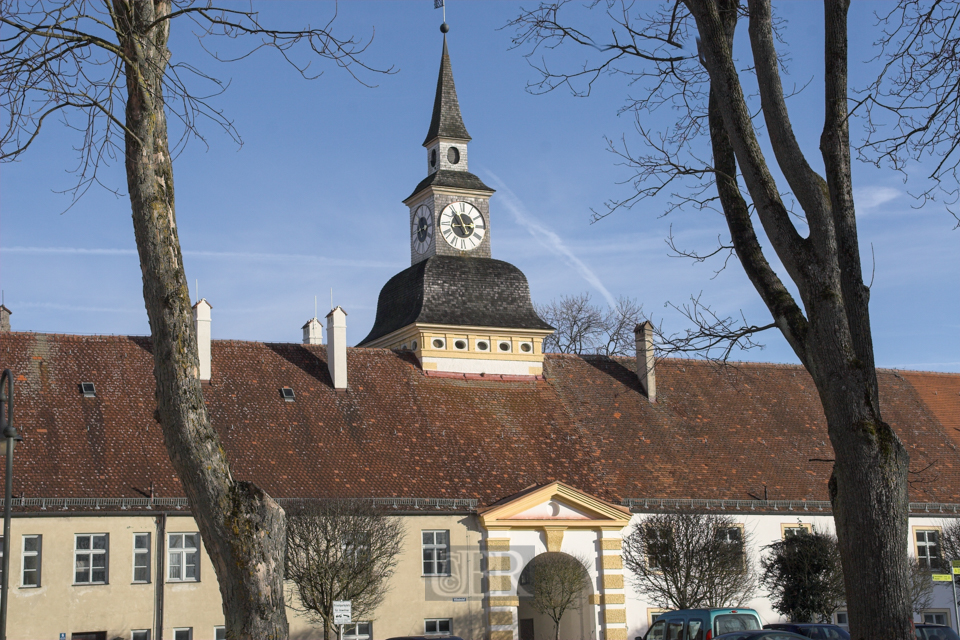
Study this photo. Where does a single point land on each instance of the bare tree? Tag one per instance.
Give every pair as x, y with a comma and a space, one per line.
104, 69
802, 572
950, 540
690, 560
921, 587
679, 55
583, 327
340, 550
913, 108
555, 582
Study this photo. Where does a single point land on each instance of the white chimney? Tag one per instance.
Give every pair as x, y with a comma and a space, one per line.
201, 322
337, 347
312, 332
645, 360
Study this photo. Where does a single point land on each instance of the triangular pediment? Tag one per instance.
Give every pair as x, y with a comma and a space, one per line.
556, 504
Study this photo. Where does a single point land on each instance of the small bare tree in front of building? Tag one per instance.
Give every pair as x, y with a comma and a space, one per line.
921, 587
340, 550
583, 327
555, 583
687, 560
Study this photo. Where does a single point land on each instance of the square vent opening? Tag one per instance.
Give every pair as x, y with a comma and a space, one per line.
88, 390
287, 394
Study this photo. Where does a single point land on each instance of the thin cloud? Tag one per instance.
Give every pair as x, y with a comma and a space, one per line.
217, 255
548, 238
868, 198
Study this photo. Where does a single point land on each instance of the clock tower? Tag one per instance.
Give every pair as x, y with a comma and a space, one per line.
450, 208
456, 308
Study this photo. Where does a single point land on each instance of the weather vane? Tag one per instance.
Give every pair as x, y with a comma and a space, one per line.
440, 4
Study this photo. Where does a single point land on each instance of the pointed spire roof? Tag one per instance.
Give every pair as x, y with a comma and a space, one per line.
446, 121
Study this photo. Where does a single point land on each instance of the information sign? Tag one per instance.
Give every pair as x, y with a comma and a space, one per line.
342, 612
942, 577
956, 567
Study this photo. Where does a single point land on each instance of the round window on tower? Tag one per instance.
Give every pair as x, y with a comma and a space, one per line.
504, 346
460, 344
453, 155
483, 345
414, 345
433, 158
526, 347
438, 343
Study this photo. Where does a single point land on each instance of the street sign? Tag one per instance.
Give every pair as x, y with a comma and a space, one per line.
942, 577
342, 612
460, 599
956, 567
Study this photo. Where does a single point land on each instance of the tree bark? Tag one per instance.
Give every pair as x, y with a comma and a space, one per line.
868, 488
242, 528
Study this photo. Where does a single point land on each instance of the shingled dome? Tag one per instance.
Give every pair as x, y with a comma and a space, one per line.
446, 121
451, 290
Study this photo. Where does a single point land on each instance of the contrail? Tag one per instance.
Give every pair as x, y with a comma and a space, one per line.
548, 238
208, 254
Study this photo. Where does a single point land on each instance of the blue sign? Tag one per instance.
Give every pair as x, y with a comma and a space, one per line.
455, 600
63, 636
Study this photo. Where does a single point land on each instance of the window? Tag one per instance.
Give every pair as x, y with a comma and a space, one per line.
359, 631
787, 530
935, 617
141, 557
31, 561
734, 537
90, 558
840, 619
436, 553
182, 557
695, 629
674, 629
658, 541
437, 626
140, 634
183, 633
219, 633
656, 630
928, 549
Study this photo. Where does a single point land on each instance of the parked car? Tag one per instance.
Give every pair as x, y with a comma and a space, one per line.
702, 624
762, 634
926, 631
816, 631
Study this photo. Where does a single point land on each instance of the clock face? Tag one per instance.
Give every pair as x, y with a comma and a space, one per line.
422, 231
462, 226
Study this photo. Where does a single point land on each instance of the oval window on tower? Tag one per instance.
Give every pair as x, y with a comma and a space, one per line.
453, 155
433, 157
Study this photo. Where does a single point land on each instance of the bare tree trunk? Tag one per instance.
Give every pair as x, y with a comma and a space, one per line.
868, 488
242, 527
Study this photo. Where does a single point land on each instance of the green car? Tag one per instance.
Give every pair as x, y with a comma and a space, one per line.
702, 624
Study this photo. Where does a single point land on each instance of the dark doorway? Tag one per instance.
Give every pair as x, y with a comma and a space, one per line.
526, 629
89, 635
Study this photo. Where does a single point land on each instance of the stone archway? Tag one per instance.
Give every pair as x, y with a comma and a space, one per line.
564, 583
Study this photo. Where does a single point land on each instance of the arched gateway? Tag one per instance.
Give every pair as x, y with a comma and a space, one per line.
555, 518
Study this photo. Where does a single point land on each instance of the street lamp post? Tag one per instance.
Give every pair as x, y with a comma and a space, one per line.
10, 438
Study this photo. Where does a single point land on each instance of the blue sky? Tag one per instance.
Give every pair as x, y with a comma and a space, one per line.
312, 199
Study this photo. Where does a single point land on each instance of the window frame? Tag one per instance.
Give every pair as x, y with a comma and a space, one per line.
916, 529
217, 629
438, 632
836, 619
938, 612
147, 551
91, 552
146, 631
792, 526
356, 635
189, 631
24, 554
183, 554
664, 539
424, 547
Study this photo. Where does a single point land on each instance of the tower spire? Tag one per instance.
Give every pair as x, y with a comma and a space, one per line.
446, 121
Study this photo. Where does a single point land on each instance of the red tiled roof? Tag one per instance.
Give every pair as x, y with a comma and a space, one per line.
399, 433
940, 392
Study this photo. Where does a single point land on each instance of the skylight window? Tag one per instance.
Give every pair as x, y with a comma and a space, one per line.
88, 390
287, 394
